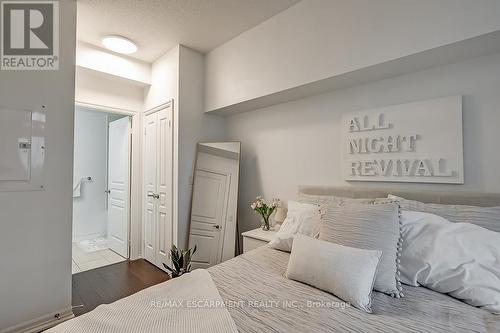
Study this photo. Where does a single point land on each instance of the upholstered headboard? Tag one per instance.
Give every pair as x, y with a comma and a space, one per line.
448, 198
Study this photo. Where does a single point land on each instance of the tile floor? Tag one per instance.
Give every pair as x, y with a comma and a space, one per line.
84, 261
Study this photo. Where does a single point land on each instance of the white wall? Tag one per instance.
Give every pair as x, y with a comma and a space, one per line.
97, 59
299, 143
165, 87
99, 89
110, 80
178, 75
164, 80
90, 160
318, 39
35, 227
194, 126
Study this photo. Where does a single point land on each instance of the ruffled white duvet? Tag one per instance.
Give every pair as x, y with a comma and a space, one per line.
460, 259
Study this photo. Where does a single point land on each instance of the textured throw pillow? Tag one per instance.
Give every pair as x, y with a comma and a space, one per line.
301, 218
357, 201
372, 227
346, 272
318, 199
460, 259
323, 200
486, 217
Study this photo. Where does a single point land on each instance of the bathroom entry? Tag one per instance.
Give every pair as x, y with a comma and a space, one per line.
101, 189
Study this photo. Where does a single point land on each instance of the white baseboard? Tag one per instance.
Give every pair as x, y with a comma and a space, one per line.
41, 323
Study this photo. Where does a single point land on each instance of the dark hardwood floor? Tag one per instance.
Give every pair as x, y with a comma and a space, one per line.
110, 283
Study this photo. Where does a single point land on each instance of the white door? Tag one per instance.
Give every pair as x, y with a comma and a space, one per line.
164, 187
208, 216
150, 176
158, 159
119, 185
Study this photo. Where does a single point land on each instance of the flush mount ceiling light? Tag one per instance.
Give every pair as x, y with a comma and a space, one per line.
119, 44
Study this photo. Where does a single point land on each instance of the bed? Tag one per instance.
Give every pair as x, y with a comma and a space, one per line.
259, 298
257, 277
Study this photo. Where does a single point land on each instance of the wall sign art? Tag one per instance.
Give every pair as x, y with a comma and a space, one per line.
418, 142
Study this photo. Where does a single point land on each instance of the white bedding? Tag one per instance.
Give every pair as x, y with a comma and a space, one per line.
302, 218
190, 303
459, 259
258, 276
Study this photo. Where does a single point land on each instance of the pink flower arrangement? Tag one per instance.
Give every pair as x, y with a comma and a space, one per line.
265, 209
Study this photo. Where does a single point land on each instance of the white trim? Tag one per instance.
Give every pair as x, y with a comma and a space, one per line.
107, 109
175, 174
135, 240
159, 107
41, 323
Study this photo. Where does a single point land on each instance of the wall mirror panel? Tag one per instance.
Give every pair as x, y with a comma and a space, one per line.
213, 219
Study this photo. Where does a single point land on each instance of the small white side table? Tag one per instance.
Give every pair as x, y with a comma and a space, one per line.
255, 238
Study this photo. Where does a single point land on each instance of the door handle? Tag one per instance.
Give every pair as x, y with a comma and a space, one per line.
107, 191
218, 227
154, 195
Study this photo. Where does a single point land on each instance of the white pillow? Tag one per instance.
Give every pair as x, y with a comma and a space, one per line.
301, 218
346, 272
460, 259
486, 217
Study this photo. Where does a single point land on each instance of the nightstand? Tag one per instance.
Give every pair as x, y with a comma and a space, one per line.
255, 238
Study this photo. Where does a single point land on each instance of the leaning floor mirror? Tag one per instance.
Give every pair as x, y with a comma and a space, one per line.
214, 205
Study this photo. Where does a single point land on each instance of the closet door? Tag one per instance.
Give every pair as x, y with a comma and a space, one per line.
164, 186
150, 181
158, 167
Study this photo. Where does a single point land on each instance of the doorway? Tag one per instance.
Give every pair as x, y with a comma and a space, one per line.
101, 189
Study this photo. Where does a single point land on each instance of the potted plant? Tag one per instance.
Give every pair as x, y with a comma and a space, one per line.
181, 261
265, 209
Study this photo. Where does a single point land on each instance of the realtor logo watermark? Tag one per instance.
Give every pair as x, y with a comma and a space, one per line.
29, 35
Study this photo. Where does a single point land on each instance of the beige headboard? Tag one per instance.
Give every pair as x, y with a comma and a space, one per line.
448, 198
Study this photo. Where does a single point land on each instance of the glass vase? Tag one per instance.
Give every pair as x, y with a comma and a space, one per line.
266, 226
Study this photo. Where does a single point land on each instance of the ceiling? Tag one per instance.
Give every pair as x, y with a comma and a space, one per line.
158, 25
